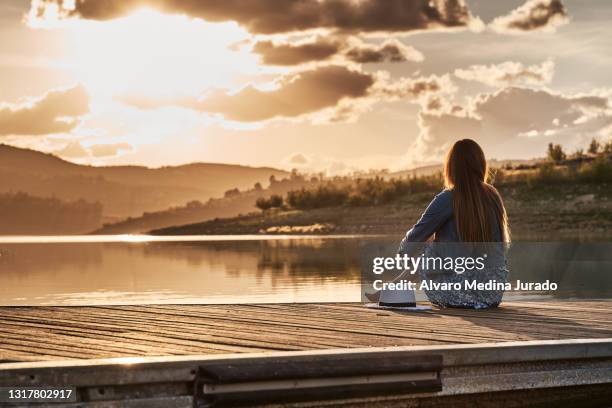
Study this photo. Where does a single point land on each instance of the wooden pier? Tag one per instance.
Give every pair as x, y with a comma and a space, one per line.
522, 351
55, 333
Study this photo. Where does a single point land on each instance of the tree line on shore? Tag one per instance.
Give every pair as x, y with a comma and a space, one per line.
591, 167
556, 153
21, 213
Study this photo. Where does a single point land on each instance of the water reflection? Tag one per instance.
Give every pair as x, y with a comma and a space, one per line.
582, 270
251, 270
280, 270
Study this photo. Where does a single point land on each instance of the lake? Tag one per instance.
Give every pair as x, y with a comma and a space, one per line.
99, 270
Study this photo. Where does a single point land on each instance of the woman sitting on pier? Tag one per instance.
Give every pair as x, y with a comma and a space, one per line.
467, 219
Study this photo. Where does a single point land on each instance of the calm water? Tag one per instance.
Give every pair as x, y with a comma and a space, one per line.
128, 270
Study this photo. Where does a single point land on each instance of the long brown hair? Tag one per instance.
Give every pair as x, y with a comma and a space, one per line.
476, 203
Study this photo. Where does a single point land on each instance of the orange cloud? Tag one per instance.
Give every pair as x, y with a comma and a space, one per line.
305, 92
540, 15
322, 49
274, 16
55, 112
282, 53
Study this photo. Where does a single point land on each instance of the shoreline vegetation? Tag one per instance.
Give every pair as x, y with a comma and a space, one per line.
562, 196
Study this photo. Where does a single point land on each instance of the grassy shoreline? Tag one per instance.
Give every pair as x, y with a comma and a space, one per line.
556, 209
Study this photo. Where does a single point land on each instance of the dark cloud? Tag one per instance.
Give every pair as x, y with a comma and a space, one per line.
514, 122
544, 15
321, 49
297, 94
519, 110
415, 88
55, 112
334, 92
294, 54
279, 16
389, 51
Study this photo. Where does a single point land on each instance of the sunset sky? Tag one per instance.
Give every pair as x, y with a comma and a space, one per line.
333, 85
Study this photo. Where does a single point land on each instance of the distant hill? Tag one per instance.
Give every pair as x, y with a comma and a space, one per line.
135, 199
435, 168
244, 201
123, 191
233, 204
417, 171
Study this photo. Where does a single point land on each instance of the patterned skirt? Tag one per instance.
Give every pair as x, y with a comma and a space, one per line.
466, 296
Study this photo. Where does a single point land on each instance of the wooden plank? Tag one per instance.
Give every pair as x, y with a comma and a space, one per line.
361, 321
225, 325
223, 332
49, 333
560, 329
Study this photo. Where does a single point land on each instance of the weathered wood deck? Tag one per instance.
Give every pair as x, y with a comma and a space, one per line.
57, 333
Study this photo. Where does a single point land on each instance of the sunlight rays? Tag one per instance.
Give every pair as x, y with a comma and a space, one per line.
152, 54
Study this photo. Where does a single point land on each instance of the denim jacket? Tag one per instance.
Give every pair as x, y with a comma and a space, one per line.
438, 221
